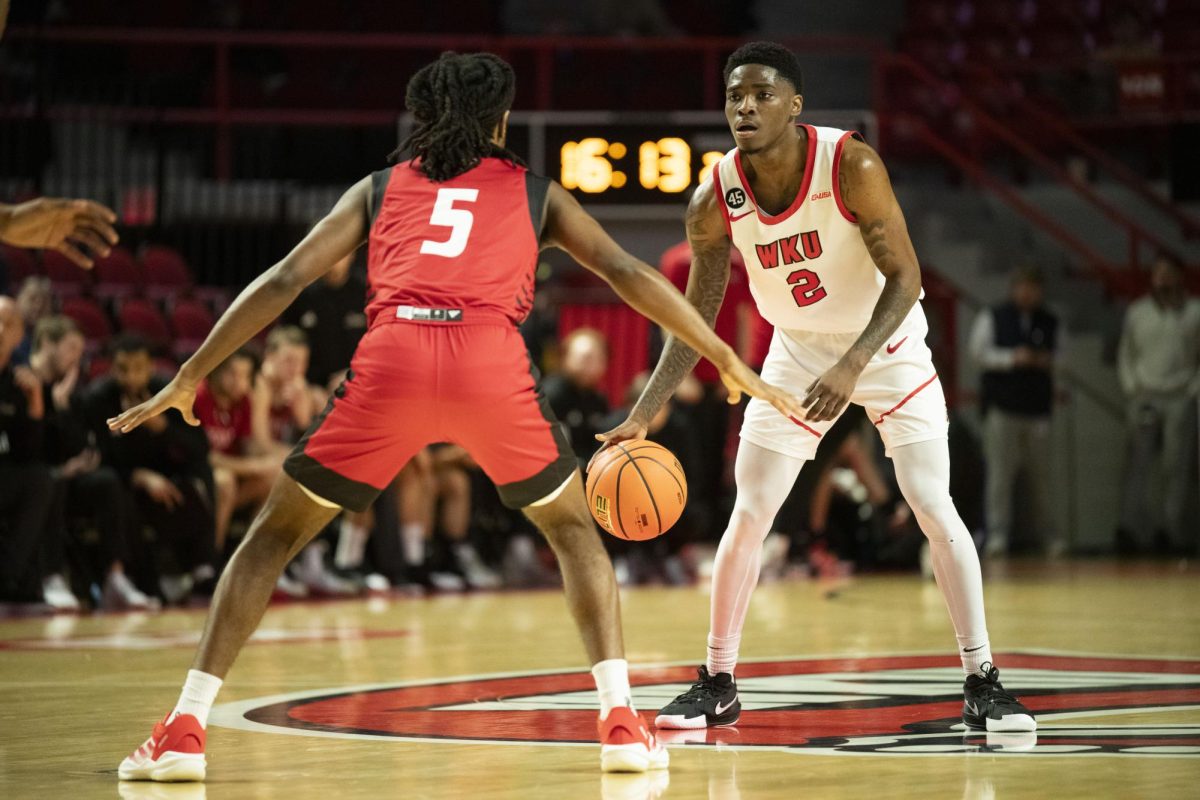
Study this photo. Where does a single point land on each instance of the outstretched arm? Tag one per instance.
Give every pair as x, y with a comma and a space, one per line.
339, 233
645, 289
867, 192
59, 224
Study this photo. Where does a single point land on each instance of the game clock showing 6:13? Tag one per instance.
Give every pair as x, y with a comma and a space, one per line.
668, 165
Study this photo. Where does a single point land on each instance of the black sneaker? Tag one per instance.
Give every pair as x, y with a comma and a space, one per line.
712, 701
989, 706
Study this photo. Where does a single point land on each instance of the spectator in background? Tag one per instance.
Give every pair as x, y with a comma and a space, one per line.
284, 404
1016, 344
574, 393
330, 312
36, 302
244, 461
286, 396
84, 485
26, 487
740, 326
1159, 365
165, 463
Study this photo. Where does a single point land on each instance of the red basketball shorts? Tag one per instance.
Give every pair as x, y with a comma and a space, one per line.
412, 384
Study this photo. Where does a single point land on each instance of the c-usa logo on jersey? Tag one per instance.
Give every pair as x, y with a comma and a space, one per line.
735, 198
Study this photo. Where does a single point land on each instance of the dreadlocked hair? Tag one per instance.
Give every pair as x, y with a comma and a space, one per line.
457, 101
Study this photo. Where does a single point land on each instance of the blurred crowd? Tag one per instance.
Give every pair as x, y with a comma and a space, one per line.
89, 518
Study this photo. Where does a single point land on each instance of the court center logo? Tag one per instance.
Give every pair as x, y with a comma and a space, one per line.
901, 705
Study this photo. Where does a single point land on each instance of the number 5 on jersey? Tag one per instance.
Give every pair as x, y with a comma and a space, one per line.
458, 220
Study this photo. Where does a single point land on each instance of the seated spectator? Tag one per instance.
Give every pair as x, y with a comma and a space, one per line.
284, 397
330, 312
244, 460
26, 487
290, 402
165, 462
84, 486
574, 392
35, 301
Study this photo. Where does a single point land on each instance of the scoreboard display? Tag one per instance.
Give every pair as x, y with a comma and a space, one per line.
633, 159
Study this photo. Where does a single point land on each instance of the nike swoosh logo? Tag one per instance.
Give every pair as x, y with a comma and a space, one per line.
739, 216
974, 708
973, 649
728, 705
891, 348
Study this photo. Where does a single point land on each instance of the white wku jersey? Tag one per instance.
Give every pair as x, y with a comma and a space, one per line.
808, 266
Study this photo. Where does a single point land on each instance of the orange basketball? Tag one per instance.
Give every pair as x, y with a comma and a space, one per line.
636, 490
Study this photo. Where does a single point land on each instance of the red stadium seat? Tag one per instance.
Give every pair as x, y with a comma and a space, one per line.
163, 266
97, 367
20, 265
68, 278
191, 320
117, 275
91, 319
141, 316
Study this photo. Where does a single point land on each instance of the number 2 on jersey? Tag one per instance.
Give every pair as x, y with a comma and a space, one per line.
458, 220
806, 287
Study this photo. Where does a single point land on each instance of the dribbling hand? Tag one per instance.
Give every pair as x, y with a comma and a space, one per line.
629, 429
174, 395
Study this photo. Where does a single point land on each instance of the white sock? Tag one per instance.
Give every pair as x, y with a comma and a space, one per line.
352, 544
612, 684
412, 542
722, 653
974, 651
199, 693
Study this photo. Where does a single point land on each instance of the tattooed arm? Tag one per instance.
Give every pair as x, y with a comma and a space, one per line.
867, 191
705, 290
706, 285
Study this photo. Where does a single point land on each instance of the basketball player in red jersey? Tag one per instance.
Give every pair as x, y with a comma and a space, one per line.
813, 214
453, 238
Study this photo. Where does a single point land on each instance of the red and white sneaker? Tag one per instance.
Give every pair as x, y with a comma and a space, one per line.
627, 745
174, 752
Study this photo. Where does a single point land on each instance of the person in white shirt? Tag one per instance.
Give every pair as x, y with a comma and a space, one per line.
1016, 345
1159, 366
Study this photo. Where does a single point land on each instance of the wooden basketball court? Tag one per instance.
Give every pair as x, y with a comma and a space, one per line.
850, 690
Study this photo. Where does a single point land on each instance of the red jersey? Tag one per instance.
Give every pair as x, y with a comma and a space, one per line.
468, 243
227, 429
676, 263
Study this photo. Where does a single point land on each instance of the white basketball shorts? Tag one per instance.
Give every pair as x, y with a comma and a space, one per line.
899, 389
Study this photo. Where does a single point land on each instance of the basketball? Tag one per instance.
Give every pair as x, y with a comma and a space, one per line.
637, 490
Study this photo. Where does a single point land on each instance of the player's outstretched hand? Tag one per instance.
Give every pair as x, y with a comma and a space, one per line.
629, 429
62, 225
174, 395
739, 378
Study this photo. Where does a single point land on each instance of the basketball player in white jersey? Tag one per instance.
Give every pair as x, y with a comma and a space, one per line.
831, 266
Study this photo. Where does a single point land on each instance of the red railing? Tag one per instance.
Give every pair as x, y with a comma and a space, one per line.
1137, 233
1188, 224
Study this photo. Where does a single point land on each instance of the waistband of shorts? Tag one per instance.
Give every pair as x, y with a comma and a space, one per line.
444, 316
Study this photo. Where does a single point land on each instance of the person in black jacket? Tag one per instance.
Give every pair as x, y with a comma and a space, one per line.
1017, 345
84, 486
164, 463
26, 487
